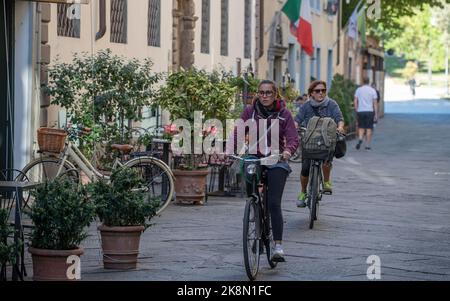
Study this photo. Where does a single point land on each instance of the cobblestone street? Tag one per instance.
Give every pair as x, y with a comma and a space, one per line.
392, 202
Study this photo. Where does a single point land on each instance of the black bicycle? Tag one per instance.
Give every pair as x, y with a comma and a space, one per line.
257, 230
315, 189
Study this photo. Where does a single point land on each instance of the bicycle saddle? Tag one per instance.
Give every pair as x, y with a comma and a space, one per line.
123, 148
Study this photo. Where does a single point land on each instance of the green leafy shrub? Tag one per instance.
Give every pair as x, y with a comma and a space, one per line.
343, 92
7, 251
120, 202
188, 91
60, 213
102, 92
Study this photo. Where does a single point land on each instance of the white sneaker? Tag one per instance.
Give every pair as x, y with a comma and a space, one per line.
278, 254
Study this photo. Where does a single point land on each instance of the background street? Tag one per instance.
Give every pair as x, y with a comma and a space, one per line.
393, 202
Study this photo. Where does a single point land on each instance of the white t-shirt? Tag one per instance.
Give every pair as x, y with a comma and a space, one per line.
366, 97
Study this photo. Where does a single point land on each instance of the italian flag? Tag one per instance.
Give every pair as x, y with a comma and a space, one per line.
299, 12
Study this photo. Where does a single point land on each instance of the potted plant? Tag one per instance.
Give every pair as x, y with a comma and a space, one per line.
184, 93
7, 251
105, 92
60, 213
125, 213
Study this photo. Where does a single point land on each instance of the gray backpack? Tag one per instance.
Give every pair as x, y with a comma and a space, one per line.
320, 138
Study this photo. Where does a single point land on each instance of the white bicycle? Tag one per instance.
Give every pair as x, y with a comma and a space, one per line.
158, 179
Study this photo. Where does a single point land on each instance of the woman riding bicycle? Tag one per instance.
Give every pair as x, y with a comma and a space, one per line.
267, 107
318, 105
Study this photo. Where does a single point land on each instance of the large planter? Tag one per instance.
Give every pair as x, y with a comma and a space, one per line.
52, 265
120, 246
190, 186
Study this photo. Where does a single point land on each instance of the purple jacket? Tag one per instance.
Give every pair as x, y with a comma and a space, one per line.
289, 140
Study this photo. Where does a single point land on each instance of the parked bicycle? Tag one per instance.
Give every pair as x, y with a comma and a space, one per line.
158, 179
297, 156
257, 230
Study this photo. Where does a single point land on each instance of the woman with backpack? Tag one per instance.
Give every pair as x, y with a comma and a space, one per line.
319, 104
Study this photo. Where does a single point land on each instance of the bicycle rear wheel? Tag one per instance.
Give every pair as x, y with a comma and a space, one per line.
45, 169
157, 178
251, 239
313, 195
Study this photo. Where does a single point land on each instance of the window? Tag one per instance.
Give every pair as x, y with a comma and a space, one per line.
350, 60
69, 20
318, 63
119, 21
206, 15
330, 68
224, 28
303, 72
312, 73
259, 39
248, 29
154, 23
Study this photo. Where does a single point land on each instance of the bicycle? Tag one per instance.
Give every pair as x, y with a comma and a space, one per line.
257, 230
157, 177
315, 189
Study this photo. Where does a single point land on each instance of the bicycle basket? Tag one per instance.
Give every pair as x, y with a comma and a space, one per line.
51, 140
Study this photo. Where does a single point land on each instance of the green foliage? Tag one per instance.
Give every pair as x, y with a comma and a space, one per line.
7, 251
388, 25
410, 70
343, 91
61, 212
290, 93
419, 39
102, 92
239, 82
188, 91
120, 202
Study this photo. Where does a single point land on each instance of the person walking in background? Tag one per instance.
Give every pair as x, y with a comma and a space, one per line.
366, 107
378, 99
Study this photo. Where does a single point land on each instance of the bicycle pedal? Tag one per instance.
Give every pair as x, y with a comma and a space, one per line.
278, 259
328, 193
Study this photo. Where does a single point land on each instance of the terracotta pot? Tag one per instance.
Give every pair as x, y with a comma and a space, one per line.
190, 185
120, 246
51, 265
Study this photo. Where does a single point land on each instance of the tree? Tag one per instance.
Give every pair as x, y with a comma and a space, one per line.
420, 40
393, 11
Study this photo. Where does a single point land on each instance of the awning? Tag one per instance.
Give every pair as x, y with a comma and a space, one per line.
376, 52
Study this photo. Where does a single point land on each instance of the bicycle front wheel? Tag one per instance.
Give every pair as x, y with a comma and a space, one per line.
251, 239
314, 195
157, 177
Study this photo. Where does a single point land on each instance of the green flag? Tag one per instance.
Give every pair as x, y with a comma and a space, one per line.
292, 10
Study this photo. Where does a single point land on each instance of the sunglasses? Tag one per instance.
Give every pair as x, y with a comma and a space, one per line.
320, 91
265, 93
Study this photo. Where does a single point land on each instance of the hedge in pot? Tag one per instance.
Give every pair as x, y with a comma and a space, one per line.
184, 93
125, 213
60, 213
7, 251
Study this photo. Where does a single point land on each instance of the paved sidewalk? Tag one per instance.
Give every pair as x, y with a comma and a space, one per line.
393, 202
